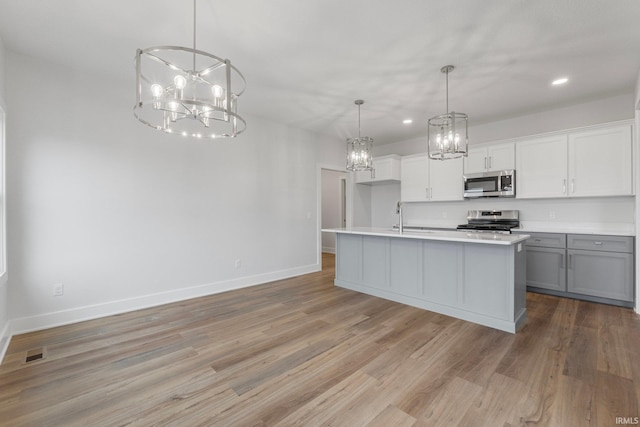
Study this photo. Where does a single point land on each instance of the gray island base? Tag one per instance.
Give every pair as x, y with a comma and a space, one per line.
477, 277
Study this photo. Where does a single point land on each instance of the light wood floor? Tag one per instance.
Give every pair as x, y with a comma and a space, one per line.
303, 352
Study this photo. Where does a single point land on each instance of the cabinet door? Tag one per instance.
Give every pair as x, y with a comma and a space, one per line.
382, 171
601, 162
501, 157
601, 274
546, 268
541, 167
363, 177
476, 160
414, 182
445, 179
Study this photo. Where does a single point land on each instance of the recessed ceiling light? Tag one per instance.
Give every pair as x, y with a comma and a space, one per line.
407, 121
560, 81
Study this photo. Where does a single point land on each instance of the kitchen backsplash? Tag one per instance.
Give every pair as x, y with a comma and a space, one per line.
599, 213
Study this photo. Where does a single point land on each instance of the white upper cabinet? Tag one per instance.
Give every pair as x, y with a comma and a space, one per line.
594, 162
601, 162
445, 178
414, 182
490, 158
476, 160
541, 167
385, 168
430, 180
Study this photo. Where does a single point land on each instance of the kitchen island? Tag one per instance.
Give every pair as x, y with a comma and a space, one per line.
477, 277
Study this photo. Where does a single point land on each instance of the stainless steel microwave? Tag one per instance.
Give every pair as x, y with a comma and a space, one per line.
490, 184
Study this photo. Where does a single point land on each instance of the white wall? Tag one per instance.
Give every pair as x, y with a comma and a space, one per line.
384, 199
4, 306
331, 206
125, 216
2, 69
620, 107
637, 168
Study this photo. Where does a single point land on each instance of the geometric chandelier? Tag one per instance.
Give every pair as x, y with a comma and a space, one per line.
447, 138
189, 92
359, 150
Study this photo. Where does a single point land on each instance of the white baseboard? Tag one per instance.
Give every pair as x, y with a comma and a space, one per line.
49, 320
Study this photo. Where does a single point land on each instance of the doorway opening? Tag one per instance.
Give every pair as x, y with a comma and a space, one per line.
333, 205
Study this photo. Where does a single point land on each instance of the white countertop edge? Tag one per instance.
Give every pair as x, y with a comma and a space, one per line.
448, 236
611, 229
607, 229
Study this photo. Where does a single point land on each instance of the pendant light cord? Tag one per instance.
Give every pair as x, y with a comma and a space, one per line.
358, 120
194, 35
447, 77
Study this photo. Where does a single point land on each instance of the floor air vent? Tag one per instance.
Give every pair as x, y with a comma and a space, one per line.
34, 355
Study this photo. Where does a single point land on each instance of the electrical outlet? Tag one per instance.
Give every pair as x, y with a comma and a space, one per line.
238, 263
552, 215
58, 290
444, 215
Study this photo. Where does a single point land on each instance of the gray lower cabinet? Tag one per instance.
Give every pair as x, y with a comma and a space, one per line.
602, 267
474, 281
546, 261
592, 267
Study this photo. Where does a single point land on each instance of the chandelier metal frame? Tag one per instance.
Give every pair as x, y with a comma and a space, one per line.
447, 133
359, 150
186, 91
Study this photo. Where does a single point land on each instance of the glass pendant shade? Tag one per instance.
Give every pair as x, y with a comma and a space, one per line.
447, 134
189, 92
359, 150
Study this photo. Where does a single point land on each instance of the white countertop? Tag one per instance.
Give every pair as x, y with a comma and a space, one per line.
445, 235
608, 229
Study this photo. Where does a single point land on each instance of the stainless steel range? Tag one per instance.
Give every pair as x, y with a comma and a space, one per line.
491, 221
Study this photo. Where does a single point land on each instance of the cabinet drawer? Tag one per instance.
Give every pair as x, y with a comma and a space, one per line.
547, 240
600, 243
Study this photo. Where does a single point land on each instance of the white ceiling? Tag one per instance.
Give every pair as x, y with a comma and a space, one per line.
306, 61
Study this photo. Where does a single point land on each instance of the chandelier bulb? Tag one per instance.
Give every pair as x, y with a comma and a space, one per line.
180, 81
217, 91
156, 90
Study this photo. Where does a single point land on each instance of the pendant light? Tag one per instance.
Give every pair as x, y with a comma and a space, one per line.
447, 137
189, 92
359, 149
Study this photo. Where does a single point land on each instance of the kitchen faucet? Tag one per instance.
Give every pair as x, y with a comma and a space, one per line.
400, 221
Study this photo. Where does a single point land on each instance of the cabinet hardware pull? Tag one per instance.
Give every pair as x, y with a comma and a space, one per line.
570, 262
573, 185
373, 174
489, 162
426, 193
485, 163
597, 243
562, 261
564, 186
